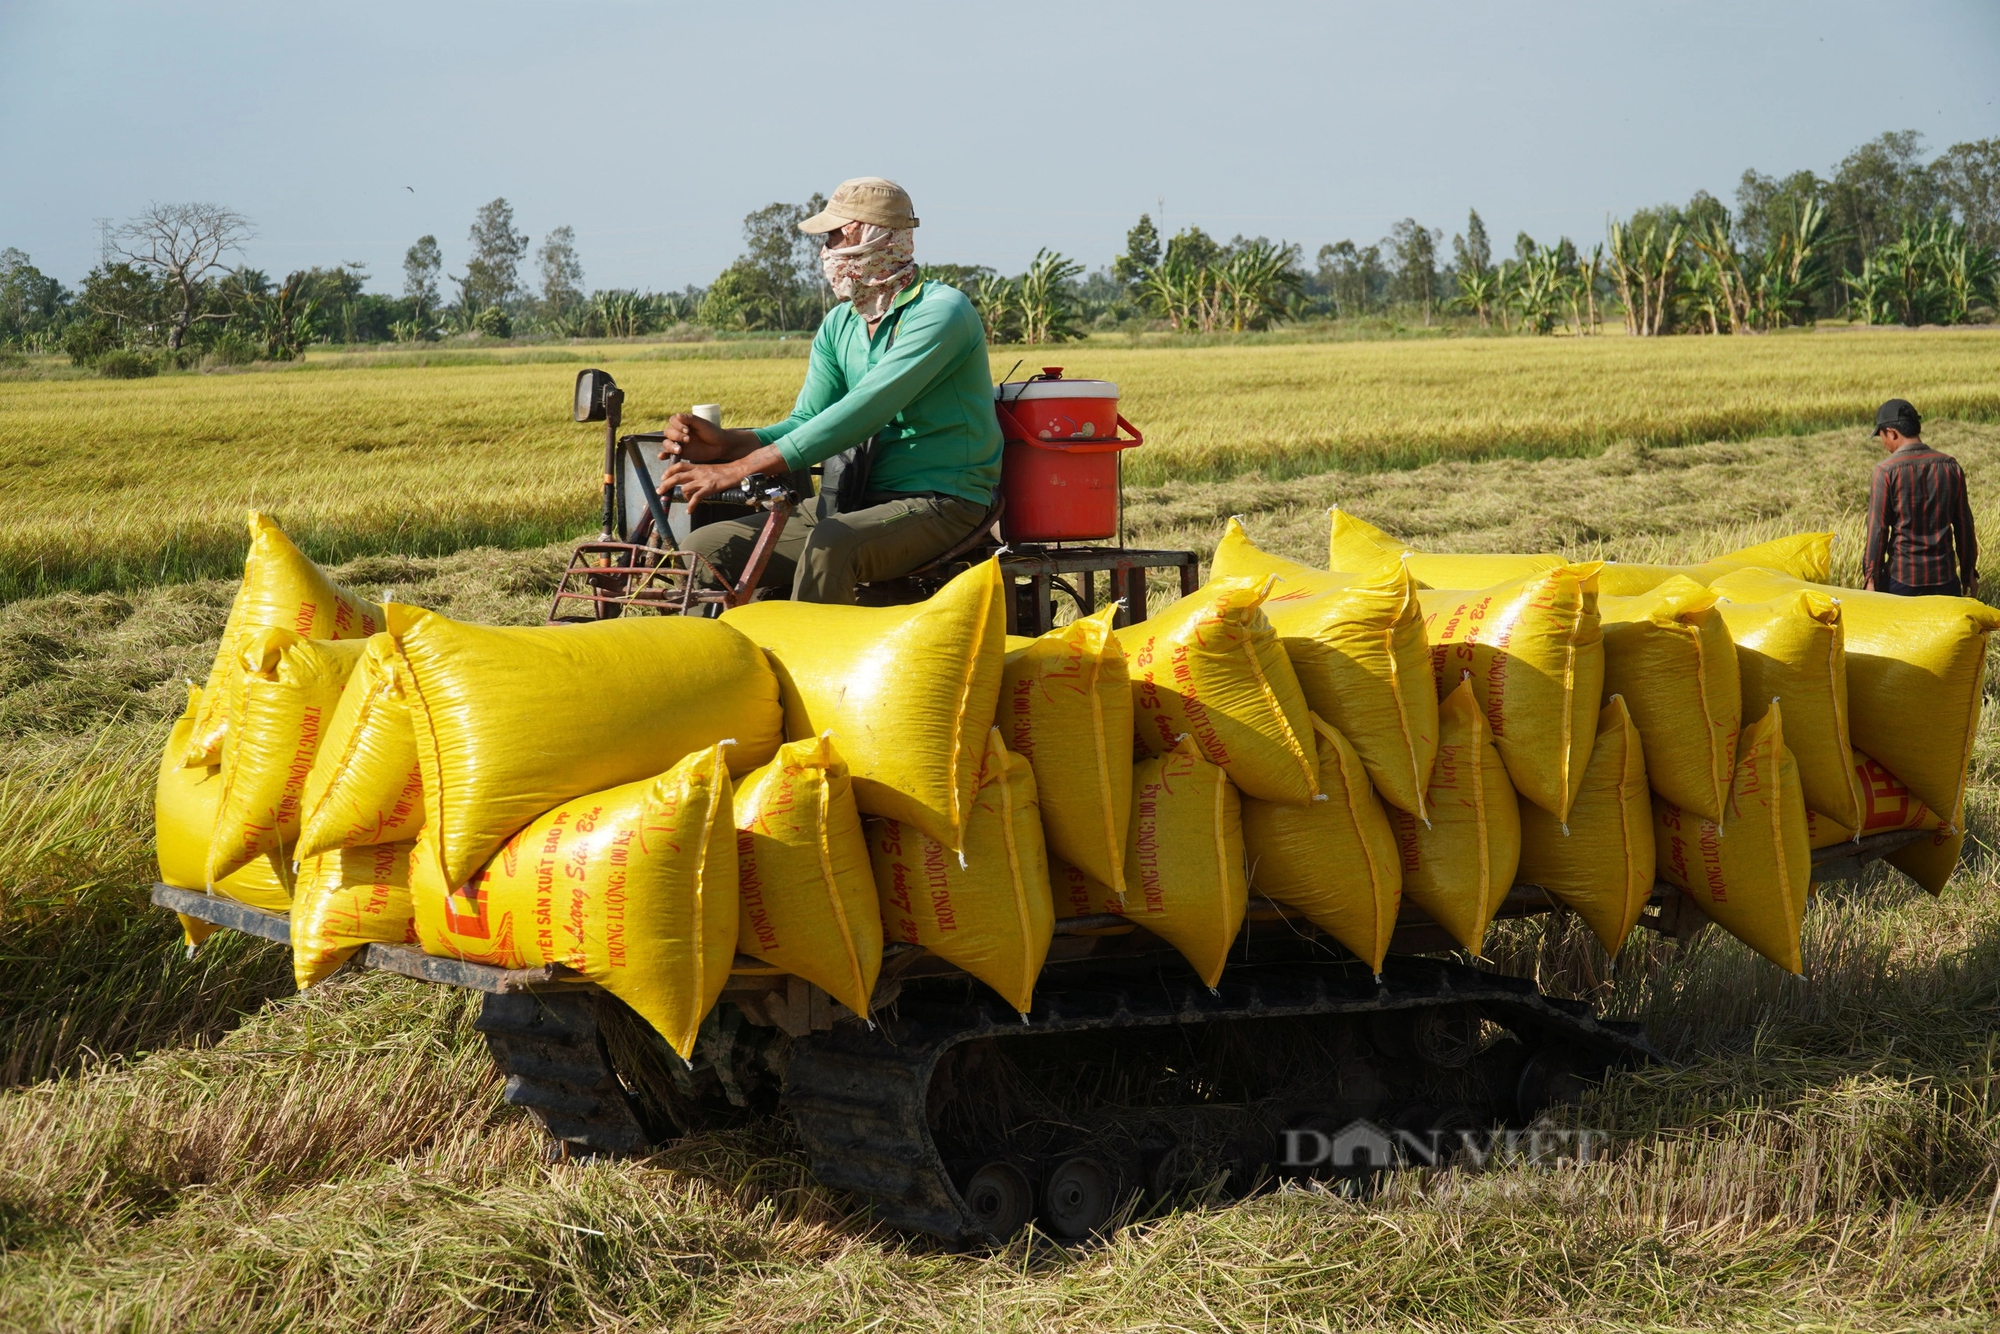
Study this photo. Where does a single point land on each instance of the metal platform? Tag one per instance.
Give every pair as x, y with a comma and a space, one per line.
1035, 574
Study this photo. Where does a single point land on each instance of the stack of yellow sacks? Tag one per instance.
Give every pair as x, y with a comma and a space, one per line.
1759, 712
655, 801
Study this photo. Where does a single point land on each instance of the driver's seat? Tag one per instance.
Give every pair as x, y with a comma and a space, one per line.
978, 545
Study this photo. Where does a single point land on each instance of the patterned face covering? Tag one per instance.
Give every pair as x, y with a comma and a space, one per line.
870, 272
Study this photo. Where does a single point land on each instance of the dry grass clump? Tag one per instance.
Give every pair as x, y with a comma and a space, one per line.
382, 458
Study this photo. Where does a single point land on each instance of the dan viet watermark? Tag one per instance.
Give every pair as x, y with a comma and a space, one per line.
1362, 1146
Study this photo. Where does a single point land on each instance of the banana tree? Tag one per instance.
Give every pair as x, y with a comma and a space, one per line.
1963, 273
1254, 283
1579, 288
1187, 294
1538, 295
1045, 298
286, 316
1722, 291
1647, 267
1478, 292
995, 301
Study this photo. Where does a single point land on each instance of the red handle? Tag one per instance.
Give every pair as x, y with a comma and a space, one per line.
1012, 430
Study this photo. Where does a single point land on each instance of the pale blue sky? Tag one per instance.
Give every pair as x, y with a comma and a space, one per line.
652, 128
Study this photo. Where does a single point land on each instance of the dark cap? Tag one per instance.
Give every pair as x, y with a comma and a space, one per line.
1898, 415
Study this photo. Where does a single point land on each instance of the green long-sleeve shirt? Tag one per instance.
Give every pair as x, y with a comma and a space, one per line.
922, 386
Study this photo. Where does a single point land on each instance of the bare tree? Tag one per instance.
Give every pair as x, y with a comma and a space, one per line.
183, 244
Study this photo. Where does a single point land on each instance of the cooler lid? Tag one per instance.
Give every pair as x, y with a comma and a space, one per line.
1015, 391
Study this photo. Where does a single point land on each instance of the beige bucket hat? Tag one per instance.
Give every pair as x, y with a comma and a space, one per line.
863, 199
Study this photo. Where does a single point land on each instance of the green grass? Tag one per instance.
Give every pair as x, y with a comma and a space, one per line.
125, 484
189, 1146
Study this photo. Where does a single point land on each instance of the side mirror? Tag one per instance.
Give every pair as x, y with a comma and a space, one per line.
595, 389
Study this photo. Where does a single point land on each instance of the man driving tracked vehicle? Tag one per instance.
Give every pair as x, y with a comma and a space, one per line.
898, 403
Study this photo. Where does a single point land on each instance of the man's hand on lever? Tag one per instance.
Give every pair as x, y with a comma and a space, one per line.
699, 440
698, 481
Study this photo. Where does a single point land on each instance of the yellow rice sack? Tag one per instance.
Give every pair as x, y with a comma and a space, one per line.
184, 805
1807, 556
1792, 649
1184, 871
909, 693
1915, 670
280, 700
1366, 549
991, 914
1669, 655
1459, 867
281, 589
1211, 667
1237, 557
1358, 649
512, 721
346, 899
1804, 555
1603, 867
1824, 833
1886, 806
1751, 873
1077, 893
806, 889
1066, 704
1336, 861
634, 887
1626, 579
1535, 651
1931, 861
365, 787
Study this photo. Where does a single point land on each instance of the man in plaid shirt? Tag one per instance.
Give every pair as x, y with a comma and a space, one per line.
1917, 513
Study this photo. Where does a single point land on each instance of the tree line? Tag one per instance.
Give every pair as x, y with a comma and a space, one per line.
1888, 238
165, 294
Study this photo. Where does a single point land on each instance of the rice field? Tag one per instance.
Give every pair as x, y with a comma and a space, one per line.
185, 1144
121, 484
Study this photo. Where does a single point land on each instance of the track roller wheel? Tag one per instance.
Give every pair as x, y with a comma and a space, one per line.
1163, 1167
1078, 1198
1446, 1035
1449, 1126
1000, 1198
1549, 1078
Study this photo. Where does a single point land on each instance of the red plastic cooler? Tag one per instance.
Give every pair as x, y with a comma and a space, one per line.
1060, 469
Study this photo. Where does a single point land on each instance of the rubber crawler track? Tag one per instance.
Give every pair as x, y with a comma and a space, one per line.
858, 1098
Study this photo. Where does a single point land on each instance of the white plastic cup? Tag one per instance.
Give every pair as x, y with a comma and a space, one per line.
708, 412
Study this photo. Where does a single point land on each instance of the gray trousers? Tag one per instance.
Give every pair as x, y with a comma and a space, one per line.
821, 559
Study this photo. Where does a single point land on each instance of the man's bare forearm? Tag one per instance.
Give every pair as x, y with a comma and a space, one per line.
741, 444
